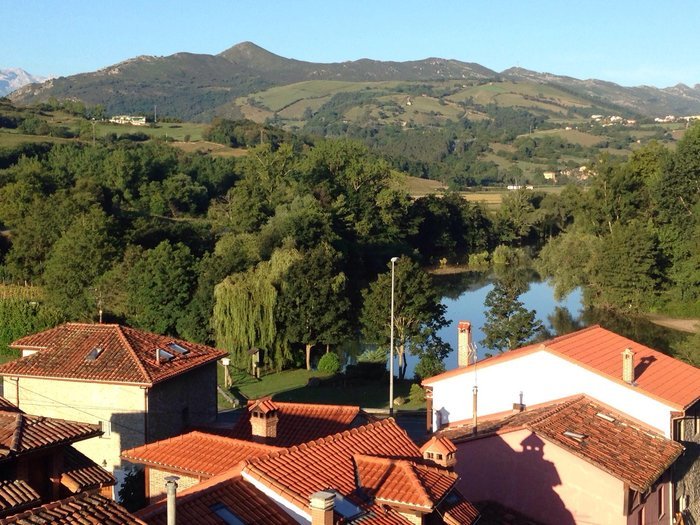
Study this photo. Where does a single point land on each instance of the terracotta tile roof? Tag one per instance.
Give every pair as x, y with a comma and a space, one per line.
81, 509
197, 453
21, 433
264, 405
106, 353
621, 447
197, 504
297, 422
657, 374
328, 462
6, 406
80, 473
503, 422
624, 448
455, 510
402, 481
17, 495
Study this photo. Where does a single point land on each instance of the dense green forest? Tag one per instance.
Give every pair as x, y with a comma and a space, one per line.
177, 243
285, 247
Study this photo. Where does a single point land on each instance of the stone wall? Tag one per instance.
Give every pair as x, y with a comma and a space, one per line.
184, 401
156, 483
687, 469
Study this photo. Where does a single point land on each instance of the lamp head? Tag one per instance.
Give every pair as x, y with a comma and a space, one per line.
394, 259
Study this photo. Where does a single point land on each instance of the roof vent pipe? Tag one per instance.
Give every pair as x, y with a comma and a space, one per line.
171, 489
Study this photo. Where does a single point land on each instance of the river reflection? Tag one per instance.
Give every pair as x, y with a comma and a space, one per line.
464, 294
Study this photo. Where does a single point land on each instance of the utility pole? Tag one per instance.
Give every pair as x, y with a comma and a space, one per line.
155, 113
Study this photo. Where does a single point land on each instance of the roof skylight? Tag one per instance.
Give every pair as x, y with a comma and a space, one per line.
606, 417
94, 353
574, 435
346, 508
164, 356
226, 514
177, 348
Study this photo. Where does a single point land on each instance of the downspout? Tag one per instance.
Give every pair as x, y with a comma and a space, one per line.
145, 415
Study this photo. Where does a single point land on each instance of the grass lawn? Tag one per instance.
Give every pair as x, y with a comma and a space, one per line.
293, 386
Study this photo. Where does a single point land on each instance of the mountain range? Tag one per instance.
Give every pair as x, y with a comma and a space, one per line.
14, 78
239, 81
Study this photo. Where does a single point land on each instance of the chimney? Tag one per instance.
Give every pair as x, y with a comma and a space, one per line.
466, 354
171, 489
628, 366
441, 451
158, 356
428, 409
264, 419
322, 504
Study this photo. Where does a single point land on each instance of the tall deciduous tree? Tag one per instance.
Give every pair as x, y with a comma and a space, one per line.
83, 253
418, 313
313, 305
508, 323
159, 286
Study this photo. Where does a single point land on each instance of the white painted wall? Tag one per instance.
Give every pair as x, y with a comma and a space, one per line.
541, 377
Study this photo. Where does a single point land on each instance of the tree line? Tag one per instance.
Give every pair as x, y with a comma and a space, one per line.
284, 249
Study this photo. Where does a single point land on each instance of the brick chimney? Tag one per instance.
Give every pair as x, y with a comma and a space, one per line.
466, 352
322, 504
628, 366
441, 451
264, 419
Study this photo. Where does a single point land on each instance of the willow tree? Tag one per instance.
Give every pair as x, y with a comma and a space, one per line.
244, 309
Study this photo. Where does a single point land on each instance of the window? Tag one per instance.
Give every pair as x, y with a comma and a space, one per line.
660, 501
94, 353
106, 428
177, 348
345, 508
226, 514
164, 356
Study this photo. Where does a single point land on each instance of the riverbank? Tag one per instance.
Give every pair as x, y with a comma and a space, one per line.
690, 326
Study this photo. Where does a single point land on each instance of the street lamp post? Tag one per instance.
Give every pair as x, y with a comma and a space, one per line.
391, 343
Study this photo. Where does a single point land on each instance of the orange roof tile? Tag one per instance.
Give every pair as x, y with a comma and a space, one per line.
80, 473
595, 348
126, 356
328, 462
16, 495
634, 454
264, 405
458, 511
22, 433
402, 481
197, 504
611, 441
80, 509
197, 453
298, 422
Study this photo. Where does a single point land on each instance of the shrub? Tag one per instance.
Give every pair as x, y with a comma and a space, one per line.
505, 255
329, 363
417, 394
479, 260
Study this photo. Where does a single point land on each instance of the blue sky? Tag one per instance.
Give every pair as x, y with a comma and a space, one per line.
624, 41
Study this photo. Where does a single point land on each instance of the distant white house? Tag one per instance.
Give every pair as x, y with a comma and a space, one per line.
128, 119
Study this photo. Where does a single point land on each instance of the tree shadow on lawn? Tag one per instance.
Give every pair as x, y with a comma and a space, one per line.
338, 392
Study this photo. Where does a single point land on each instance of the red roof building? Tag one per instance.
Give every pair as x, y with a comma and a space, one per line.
38, 462
76, 510
370, 474
648, 386
574, 460
137, 386
291, 423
